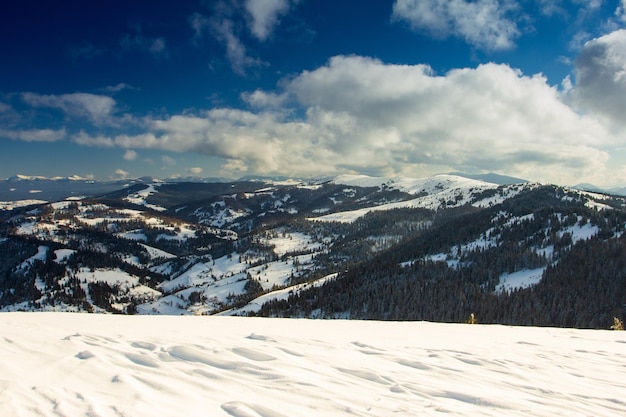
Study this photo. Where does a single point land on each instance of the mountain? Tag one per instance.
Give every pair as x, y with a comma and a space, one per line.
620, 191
23, 187
436, 248
492, 178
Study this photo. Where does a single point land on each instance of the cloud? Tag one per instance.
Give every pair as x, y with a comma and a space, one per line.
195, 170
223, 31
35, 135
226, 24
112, 89
484, 24
156, 46
121, 173
358, 114
101, 141
97, 108
620, 13
130, 155
265, 16
263, 99
600, 74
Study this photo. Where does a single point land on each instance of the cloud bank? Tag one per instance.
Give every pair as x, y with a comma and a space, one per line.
358, 114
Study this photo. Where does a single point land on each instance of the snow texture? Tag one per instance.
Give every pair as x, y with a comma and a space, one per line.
63, 364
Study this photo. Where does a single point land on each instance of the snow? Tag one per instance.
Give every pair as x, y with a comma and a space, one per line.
433, 193
582, 232
293, 242
110, 276
107, 365
42, 252
134, 235
140, 197
62, 255
283, 294
10, 205
412, 185
156, 253
520, 279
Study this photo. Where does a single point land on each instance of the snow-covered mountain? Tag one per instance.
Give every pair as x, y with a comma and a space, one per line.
27, 187
108, 365
449, 246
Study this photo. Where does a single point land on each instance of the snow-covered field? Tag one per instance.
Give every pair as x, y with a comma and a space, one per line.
62, 364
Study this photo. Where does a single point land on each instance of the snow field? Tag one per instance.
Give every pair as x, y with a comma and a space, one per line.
82, 364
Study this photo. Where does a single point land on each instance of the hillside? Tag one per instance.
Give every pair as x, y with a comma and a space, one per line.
435, 248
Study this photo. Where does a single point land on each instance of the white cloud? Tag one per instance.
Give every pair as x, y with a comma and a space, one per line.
236, 52
130, 155
35, 135
484, 24
118, 87
600, 86
263, 99
621, 11
265, 16
121, 173
362, 115
227, 20
97, 108
195, 170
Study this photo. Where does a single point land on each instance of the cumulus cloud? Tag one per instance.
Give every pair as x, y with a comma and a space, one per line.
484, 24
265, 15
195, 170
130, 155
97, 108
359, 114
600, 73
34, 135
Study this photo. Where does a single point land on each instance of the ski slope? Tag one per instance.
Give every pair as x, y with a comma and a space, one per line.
63, 364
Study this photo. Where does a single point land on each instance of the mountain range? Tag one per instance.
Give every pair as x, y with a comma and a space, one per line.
438, 248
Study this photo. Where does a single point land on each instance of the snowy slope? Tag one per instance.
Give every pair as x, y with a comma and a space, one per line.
431, 193
103, 365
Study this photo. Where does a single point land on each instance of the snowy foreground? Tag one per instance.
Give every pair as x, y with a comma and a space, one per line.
62, 364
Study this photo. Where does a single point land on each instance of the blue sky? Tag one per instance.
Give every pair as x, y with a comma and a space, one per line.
309, 88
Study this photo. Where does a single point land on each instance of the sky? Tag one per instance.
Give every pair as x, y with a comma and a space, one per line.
312, 88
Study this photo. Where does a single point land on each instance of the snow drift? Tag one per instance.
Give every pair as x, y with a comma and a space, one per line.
101, 365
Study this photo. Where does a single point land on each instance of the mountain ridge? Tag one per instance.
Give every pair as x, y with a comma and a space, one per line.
289, 248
